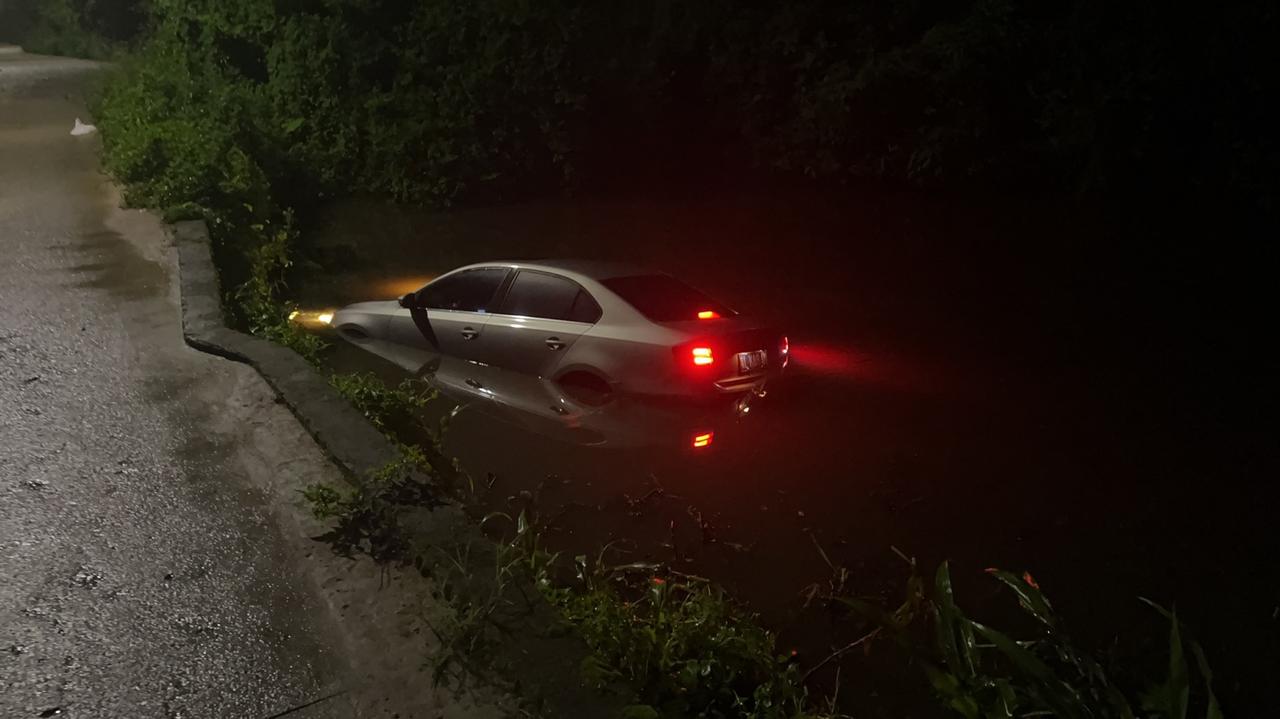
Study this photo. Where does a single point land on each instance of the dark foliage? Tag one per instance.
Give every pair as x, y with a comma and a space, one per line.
980, 672
426, 100
82, 28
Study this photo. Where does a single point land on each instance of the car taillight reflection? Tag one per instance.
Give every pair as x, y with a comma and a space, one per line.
708, 315
785, 350
703, 356
703, 439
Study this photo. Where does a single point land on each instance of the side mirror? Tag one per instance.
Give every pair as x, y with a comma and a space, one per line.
408, 300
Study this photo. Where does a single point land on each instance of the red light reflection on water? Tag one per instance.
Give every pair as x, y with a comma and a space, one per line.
849, 364
829, 359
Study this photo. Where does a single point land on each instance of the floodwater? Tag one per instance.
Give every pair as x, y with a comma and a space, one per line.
999, 388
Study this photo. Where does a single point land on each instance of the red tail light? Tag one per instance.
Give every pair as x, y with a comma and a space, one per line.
703, 439
697, 356
708, 315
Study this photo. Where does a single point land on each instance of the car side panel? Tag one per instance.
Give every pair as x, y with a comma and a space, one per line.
520, 344
634, 366
447, 325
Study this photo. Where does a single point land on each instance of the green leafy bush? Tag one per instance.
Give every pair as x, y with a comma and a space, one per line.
240, 113
258, 301
228, 101
96, 29
367, 517
437, 99
396, 411
688, 648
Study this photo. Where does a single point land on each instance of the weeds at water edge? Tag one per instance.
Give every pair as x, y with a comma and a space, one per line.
979, 672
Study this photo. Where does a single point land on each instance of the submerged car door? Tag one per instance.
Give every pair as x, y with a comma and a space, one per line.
449, 315
538, 320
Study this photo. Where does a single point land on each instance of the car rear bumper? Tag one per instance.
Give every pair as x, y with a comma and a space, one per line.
739, 383
743, 383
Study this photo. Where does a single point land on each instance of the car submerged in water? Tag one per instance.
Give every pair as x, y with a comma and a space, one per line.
596, 329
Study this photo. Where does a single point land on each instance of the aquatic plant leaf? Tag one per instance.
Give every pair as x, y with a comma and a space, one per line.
1213, 711
1029, 596
1171, 697
951, 690
1044, 684
955, 637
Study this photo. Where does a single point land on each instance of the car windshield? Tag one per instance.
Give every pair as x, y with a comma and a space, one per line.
663, 298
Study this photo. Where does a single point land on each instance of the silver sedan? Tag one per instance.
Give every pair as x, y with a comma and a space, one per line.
598, 327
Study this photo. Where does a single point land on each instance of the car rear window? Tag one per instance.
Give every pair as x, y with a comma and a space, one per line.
663, 298
537, 294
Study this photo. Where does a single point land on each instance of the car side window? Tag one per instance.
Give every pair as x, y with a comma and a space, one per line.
538, 294
467, 291
584, 308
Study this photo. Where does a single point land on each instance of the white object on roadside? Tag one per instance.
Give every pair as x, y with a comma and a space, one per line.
82, 129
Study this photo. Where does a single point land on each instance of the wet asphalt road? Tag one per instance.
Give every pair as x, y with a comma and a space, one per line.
139, 574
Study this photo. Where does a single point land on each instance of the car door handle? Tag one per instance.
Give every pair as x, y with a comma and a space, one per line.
469, 333
473, 383
554, 343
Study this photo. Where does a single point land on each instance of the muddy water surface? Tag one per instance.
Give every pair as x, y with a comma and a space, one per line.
968, 384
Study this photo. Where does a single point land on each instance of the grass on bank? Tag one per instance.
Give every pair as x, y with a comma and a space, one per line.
689, 650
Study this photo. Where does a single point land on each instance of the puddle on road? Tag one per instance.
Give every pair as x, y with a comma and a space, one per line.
112, 264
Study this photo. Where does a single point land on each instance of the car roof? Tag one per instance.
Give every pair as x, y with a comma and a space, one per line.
592, 269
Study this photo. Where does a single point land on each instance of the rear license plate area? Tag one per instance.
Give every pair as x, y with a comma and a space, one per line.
752, 361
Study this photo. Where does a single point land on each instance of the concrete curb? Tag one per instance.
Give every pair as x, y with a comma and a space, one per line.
7, 49
351, 441
538, 645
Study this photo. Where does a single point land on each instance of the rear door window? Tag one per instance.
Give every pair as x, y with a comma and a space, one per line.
466, 291
663, 298
538, 294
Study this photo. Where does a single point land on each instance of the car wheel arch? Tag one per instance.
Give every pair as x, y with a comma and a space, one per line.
586, 384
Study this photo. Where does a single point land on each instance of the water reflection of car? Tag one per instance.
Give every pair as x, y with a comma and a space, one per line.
596, 328
573, 415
